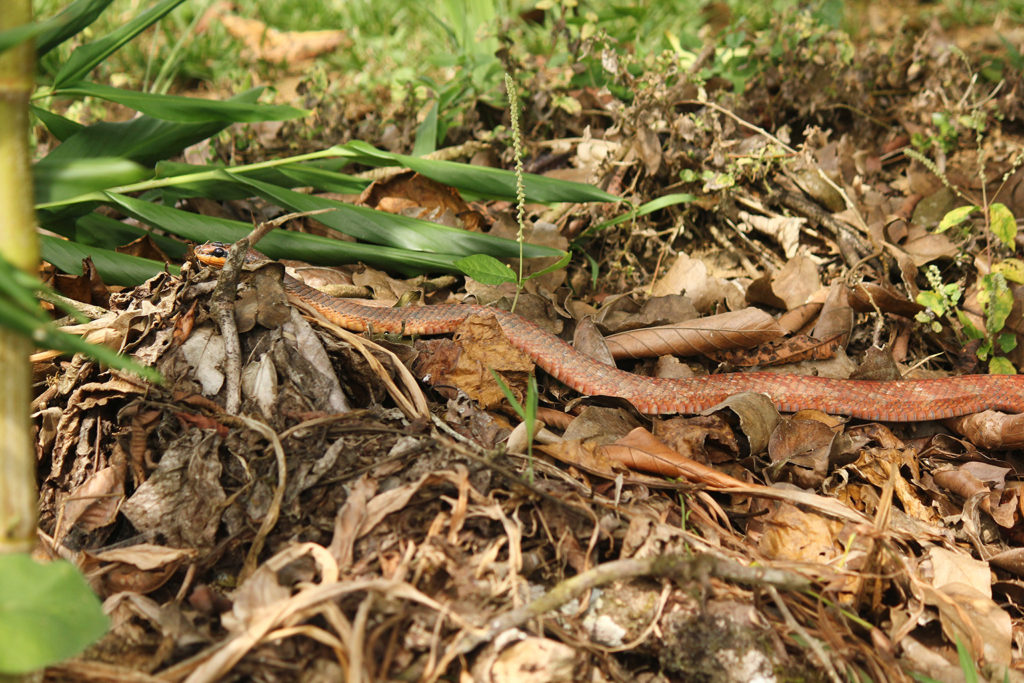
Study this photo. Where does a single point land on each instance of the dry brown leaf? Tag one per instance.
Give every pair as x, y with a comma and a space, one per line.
782, 351
275, 46
788, 533
791, 286
691, 277
95, 502
410, 194
961, 590
140, 568
867, 295
643, 451
736, 329
466, 362
991, 429
783, 229
836, 318
801, 448
1001, 504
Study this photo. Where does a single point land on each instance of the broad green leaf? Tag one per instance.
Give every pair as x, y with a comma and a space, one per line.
1003, 224
394, 230
486, 269
183, 109
1000, 365
70, 22
88, 56
47, 613
281, 244
481, 180
144, 139
1007, 341
1012, 269
60, 127
300, 174
96, 230
932, 301
63, 179
955, 217
114, 268
970, 329
19, 34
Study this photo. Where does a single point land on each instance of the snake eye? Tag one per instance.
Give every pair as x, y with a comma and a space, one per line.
219, 252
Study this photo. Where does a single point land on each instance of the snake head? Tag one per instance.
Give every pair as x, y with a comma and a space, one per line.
212, 254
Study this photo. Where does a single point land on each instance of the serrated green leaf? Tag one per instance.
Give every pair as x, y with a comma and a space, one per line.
999, 365
1003, 224
486, 269
47, 613
955, 217
184, 109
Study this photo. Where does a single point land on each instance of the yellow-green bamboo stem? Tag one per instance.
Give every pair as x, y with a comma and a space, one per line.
18, 245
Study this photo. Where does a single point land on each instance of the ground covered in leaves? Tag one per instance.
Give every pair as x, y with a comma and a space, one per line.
296, 504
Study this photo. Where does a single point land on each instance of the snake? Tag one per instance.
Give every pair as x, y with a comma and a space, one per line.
903, 400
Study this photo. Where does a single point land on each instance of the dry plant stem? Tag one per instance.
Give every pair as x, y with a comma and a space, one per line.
812, 643
274, 510
88, 310
851, 245
761, 131
680, 568
20, 248
223, 309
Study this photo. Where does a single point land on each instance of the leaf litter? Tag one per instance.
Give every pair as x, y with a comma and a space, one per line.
344, 522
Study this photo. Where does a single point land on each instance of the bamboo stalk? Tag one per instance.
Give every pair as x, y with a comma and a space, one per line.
19, 245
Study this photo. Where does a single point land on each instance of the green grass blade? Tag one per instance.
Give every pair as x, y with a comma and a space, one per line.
481, 180
88, 56
184, 109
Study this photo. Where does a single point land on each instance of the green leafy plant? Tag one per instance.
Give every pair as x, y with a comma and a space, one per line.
47, 613
996, 300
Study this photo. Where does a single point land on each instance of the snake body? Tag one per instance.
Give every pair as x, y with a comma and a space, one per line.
891, 401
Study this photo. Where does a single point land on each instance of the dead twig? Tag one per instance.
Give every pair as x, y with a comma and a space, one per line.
679, 568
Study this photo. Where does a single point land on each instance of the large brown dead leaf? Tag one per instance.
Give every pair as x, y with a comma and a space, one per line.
736, 329
410, 194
